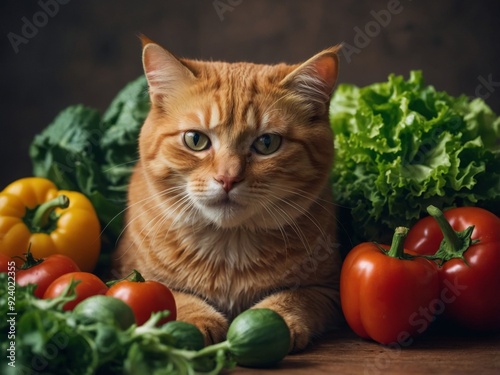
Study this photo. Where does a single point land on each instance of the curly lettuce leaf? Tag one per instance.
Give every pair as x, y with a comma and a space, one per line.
401, 145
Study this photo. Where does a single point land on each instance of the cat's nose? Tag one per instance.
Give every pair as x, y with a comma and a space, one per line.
227, 182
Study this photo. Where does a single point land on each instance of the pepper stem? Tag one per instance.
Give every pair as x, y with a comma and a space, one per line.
398, 243
453, 241
42, 213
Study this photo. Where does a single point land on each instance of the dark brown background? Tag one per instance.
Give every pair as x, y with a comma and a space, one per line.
89, 49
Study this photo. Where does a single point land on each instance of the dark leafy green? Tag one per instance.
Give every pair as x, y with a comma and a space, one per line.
84, 151
402, 146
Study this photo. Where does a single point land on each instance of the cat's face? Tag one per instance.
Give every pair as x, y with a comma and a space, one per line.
237, 144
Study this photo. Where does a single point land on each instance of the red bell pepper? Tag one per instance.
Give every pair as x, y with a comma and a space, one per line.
386, 294
466, 243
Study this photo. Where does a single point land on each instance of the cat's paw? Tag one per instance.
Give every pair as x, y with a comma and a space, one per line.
213, 326
300, 337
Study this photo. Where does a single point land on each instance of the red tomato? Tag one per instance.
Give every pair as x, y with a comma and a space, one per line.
4, 262
470, 274
386, 295
145, 297
89, 285
46, 271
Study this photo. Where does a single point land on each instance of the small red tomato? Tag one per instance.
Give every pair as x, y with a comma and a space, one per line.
145, 297
89, 285
43, 271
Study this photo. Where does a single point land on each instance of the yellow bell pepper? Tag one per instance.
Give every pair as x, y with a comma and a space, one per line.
33, 212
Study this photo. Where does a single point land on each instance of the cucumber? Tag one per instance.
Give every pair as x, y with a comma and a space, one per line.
186, 335
105, 309
258, 338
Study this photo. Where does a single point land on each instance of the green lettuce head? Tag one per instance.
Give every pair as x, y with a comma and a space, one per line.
401, 146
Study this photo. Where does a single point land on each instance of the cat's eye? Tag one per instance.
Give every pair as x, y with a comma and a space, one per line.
266, 144
196, 141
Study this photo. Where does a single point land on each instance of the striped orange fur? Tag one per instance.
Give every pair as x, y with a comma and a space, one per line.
248, 220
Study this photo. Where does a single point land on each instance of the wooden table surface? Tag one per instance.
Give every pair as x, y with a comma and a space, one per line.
438, 351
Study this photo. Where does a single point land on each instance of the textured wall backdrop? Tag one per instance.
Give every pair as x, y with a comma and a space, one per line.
56, 53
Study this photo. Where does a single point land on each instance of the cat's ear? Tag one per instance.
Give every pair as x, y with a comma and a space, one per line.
165, 73
314, 80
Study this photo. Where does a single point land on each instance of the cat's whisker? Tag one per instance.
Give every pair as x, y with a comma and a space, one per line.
125, 209
278, 223
328, 210
131, 162
290, 221
292, 203
327, 207
306, 195
164, 217
195, 213
132, 243
302, 210
280, 226
144, 200
185, 204
145, 211
156, 224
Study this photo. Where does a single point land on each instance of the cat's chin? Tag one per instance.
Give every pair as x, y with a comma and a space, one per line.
225, 214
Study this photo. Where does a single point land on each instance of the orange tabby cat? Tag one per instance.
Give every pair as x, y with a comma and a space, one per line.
230, 204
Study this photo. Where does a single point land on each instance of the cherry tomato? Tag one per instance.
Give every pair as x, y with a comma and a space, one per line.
43, 272
89, 285
145, 297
